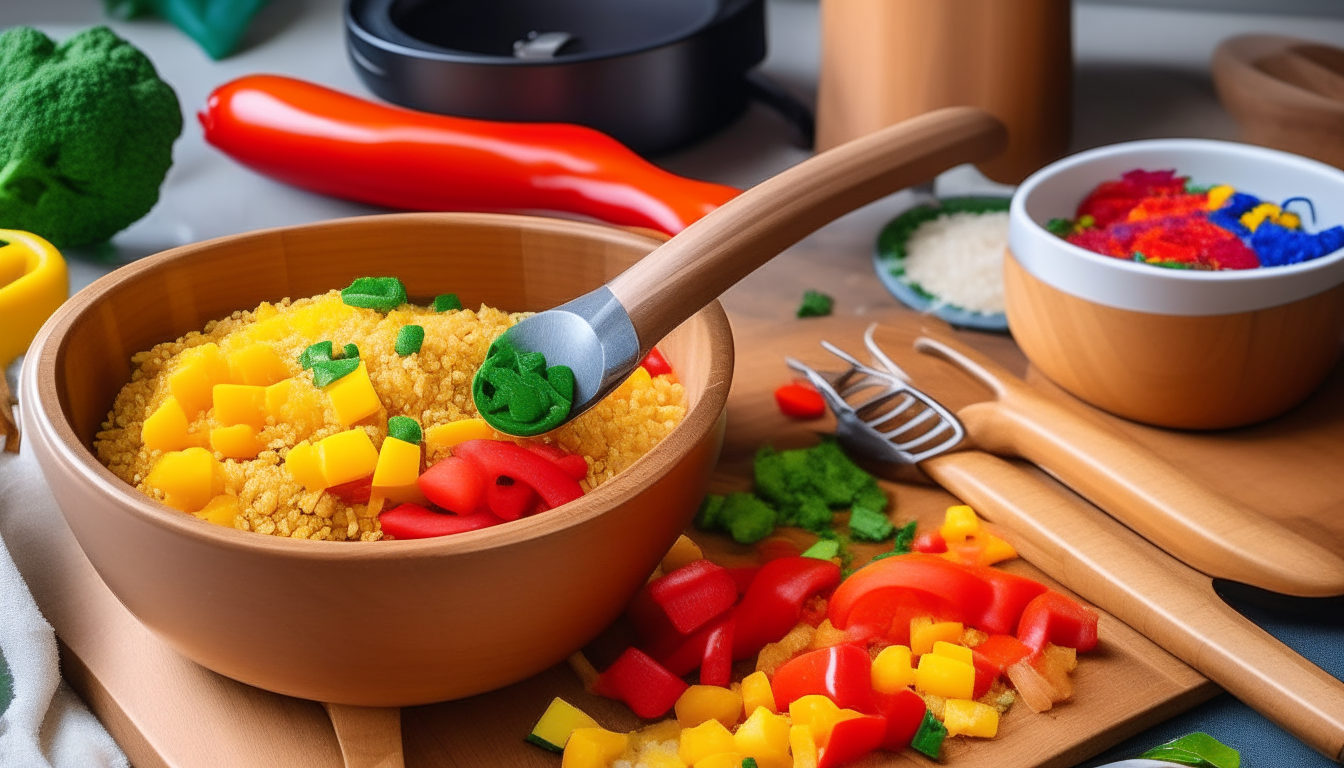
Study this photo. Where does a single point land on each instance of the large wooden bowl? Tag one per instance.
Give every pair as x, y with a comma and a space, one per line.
390, 623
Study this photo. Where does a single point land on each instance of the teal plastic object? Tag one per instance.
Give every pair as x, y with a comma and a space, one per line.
216, 25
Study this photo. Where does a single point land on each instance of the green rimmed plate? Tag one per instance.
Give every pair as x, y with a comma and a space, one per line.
889, 261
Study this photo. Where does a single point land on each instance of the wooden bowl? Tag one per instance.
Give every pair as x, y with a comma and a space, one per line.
392, 623
1168, 347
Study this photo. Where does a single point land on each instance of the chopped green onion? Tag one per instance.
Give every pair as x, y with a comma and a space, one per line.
409, 339
824, 549
447, 301
929, 738
380, 293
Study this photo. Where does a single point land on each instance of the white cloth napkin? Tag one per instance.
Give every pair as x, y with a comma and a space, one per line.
45, 725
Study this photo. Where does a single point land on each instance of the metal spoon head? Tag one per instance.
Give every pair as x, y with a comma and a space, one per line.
591, 335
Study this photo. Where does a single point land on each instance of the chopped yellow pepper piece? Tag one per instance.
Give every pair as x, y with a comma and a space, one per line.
195, 375
722, 760
346, 456
924, 633
166, 428
959, 522
593, 748
277, 395
33, 283
764, 736
398, 464
221, 510
803, 746
756, 692
953, 651
353, 397
819, 714
240, 404
236, 442
892, 670
1218, 196
970, 718
304, 464
943, 676
1257, 215
700, 703
257, 364
708, 738
556, 724
441, 436
639, 378
188, 479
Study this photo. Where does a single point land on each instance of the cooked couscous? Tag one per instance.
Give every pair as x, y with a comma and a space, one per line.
235, 408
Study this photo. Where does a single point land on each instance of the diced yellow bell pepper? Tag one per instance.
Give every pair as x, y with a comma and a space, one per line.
699, 703
924, 632
756, 692
953, 651
683, 551
708, 738
593, 748
166, 428
303, 462
1219, 195
352, 396
819, 714
943, 676
221, 510
722, 760
394, 477
240, 404
195, 375
556, 724
236, 442
189, 478
34, 281
970, 718
640, 378
346, 456
277, 395
803, 747
958, 523
892, 670
441, 436
257, 364
764, 736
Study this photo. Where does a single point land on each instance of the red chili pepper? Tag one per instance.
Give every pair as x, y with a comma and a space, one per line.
412, 521
336, 144
508, 498
842, 673
799, 400
655, 363
930, 542
904, 711
774, 601
641, 683
852, 739
1011, 594
885, 594
717, 666
455, 484
501, 457
572, 463
682, 601
355, 491
1055, 618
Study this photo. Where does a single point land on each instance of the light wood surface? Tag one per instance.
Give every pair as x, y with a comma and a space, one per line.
714, 253
883, 61
370, 737
1203, 529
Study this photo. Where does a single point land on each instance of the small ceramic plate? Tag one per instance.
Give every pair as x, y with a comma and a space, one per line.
889, 261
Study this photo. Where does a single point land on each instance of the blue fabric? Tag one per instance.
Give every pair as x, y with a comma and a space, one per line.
1313, 628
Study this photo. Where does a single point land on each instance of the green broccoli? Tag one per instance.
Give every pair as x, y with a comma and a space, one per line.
815, 304
709, 518
867, 524
86, 134
746, 518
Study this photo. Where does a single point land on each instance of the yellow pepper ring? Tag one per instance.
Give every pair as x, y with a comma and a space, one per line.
33, 283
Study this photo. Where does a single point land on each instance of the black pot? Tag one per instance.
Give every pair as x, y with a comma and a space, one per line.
655, 74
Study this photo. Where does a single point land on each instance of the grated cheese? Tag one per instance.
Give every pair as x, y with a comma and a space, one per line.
958, 258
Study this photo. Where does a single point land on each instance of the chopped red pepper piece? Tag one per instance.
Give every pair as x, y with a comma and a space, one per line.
655, 363
1055, 618
1011, 594
572, 463
842, 673
501, 457
412, 521
644, 685
904, 711
681, 655
455, 484
743, 577
682, 601
852, 739
1002, 651
799, 400
885, 594
717, 666
355, 491
774, 601
931, 542
508, 498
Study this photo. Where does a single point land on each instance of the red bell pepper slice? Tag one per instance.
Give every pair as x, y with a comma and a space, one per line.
454, 484
885, 594
572, 463
743, 576
655, 363
1056, 618
800, 401
1011, 594
774, 601
904, 711
852, 739
929, 542
717, 666
681, 655
355, 491
682, 601
992, 657
509, 499
842, 673
644, 685
412, 521
501, 457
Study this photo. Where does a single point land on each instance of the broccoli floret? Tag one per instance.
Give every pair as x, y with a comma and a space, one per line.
746, 518
815, 304
814, 515
709, 517
86, 134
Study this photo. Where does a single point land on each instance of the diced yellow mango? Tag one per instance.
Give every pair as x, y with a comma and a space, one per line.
924, 632
257, 364
756, 692
166, 429
556, 724
236, 442
892, 670
708, 738
195, 375
352, 396
683, 552
441, 436
346, 456
189, 478
958, 523
699, 703
221, 510
277, 395
953, 651
943, 676
395, 476
593, 748
803, 747
303, 462
763, 736
722, 760
240, 404
970, 718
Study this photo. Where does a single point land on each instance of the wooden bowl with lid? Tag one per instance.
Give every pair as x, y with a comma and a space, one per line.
390, 623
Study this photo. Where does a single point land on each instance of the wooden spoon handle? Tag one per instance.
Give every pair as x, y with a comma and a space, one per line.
708, 257
1203, 529
370, 737
1163, 600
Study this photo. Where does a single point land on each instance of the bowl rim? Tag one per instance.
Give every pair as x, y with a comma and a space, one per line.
1143, 288
44, 416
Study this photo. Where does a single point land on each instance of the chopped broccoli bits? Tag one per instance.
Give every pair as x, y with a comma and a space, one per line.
815, 304
409, 339
741, 515
380, 293
866, 524
445, 302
